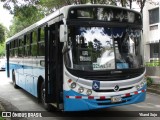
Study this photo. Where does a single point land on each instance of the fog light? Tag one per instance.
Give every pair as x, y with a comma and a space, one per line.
73, 85
142, 84
89, 92
138, 87
80, 90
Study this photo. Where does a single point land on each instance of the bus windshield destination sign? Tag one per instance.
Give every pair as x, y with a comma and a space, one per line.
105, 14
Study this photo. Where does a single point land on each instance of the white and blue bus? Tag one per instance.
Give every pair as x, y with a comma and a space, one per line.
81, 57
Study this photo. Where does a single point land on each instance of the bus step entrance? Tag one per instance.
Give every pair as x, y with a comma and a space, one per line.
60, 106
53, 67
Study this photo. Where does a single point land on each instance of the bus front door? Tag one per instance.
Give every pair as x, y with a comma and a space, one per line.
54, 67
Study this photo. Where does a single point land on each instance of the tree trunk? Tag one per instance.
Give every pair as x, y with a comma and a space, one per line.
142, 5
130, 4
122, 3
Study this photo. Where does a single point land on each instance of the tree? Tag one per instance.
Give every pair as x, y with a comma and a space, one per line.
2, 39
11, 4
50, 5
2, 49
141, 4
23, 17
2, 33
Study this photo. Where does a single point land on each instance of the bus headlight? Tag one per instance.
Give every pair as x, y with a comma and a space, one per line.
144, 81
73, 85
89, 92
141, 84
80, 90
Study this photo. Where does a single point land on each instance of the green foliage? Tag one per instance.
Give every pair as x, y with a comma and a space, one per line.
149, 81
51, 4
2, 39
153, 64
1, 118
2, 33
12, 4
2, 49
24, 17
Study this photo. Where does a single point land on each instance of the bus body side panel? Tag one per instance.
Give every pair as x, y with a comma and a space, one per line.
21, 75
31, 73
27, 74
38, 71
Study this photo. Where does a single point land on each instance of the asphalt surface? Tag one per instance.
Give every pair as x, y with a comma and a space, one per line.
20, 101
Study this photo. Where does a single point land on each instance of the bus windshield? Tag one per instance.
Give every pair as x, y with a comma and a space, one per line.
103, 48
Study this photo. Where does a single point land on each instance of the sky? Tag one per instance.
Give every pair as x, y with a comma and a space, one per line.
5, 17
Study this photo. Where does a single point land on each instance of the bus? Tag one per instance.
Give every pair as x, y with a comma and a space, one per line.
80, 57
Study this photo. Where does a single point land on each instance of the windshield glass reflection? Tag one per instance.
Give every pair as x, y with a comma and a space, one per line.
102, 48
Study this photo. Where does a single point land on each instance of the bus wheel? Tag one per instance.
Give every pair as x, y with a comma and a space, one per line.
47, 106
14, 80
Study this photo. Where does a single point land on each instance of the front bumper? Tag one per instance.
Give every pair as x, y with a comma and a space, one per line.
77, 102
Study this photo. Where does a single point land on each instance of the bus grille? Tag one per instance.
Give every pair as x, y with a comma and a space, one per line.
112, 90
110, 77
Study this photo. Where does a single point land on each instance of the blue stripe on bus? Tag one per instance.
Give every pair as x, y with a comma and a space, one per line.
27, 77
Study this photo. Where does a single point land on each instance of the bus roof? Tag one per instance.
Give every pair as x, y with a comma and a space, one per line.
62, 11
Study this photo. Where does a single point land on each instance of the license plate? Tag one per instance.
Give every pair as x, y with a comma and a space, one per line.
116, 99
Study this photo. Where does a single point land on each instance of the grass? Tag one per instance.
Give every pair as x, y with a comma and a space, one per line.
1, 109
149, 81
1, 118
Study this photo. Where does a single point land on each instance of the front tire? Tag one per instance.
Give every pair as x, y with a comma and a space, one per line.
47, 106
14, 80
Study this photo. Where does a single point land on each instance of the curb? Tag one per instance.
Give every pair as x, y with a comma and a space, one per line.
1, 107
153, 90
7, 106
156, 79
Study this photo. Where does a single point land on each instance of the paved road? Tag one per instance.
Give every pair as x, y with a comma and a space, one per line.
19, 100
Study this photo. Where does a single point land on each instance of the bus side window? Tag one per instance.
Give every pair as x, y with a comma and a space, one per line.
16, 48
41, 44
27, 45
10, 49
34, 43
13, 46
21, 47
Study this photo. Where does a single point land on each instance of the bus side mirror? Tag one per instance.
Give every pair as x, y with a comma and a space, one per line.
63, 33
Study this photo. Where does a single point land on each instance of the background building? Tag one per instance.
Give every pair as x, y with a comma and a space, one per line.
151, 31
